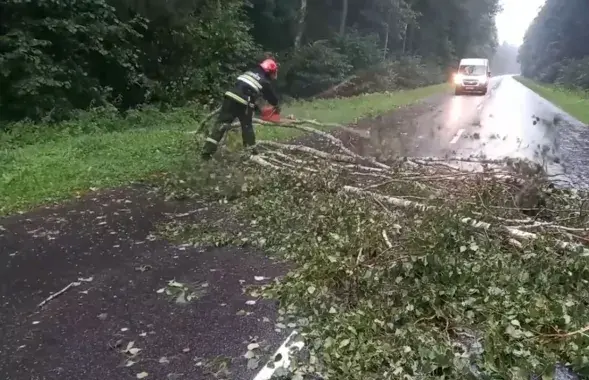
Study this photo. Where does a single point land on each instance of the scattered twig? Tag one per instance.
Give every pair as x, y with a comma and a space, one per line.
386, 239
567, 335
206, 119
315, 152
57, 294
488, 174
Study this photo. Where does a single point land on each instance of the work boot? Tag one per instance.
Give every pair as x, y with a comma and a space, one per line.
209, 148
251, 149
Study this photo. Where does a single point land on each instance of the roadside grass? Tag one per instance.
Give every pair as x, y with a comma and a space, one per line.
574, 102
41, 164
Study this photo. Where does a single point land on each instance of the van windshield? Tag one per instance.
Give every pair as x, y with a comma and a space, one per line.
472, 70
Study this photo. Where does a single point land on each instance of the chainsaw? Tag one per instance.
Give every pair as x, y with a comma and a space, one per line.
269, 113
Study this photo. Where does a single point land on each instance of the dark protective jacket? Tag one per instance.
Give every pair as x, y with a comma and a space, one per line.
251, 85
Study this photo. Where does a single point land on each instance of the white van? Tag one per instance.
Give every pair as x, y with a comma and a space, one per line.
472, 76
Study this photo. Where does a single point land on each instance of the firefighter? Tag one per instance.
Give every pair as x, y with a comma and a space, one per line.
240, 103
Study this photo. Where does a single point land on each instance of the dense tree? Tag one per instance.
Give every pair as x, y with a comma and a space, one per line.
555, 47
61, 55
56, 56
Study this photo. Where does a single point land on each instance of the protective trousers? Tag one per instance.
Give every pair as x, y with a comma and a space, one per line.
231, 110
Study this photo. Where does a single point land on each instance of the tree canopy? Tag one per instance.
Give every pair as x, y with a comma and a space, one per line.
58, 56
555, 47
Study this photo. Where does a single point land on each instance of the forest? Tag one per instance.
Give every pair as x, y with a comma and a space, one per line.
555, 48
61, 56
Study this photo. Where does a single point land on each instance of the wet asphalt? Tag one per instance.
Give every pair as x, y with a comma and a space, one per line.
104, 241
509, 121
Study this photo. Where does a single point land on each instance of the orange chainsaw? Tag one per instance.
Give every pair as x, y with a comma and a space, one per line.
269, 113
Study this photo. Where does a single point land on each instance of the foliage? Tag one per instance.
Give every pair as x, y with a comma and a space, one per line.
60, 56
314, 68
414, 72
361, 51
99, 120
389, 293
57, 56
191, 50
574, 73
391, 75
551, 51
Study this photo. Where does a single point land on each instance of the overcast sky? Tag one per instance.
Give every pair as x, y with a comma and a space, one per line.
517, 15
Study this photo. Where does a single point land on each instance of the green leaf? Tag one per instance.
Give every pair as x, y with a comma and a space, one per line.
344, 343
253, 364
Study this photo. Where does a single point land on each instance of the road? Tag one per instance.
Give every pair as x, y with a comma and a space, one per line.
104, 242
510, 121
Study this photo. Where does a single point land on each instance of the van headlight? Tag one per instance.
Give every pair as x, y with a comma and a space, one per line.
458, 78
483, 79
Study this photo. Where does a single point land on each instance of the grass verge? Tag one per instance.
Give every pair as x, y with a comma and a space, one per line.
576, 103
45, 163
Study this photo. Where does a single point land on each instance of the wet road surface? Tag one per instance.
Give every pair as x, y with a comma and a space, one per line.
104, 242
510, 121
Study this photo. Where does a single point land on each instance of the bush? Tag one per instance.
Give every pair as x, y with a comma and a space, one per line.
314, 68
210, 44
362, 51
412, 72
97, 120
391, 75
60, 56
574, 73
549, 73
350, 65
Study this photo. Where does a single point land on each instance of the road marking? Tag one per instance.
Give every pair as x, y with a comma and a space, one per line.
457, 136
284, 361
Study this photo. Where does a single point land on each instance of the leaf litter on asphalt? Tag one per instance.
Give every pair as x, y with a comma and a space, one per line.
130, 353
474, 287
182, 293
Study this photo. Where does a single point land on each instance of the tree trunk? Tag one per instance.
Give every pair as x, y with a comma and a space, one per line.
405, 38
301, 24
342, 24
385, 50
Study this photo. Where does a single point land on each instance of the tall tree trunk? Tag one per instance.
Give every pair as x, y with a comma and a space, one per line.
344, 19
405, 38
300, 24
385, 50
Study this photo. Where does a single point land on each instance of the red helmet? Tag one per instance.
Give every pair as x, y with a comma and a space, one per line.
270, 66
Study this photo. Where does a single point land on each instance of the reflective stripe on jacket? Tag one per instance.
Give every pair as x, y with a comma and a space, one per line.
252, 80
251, 85
239, 99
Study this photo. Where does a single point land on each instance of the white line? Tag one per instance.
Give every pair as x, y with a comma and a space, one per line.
457, 136
284, 361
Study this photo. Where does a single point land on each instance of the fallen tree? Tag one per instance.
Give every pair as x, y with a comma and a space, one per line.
412, 268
